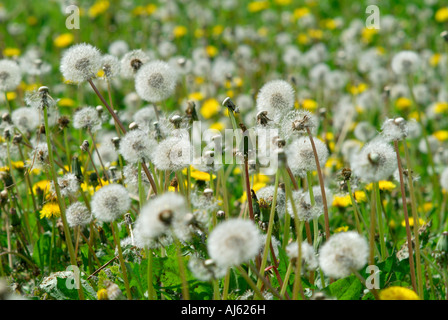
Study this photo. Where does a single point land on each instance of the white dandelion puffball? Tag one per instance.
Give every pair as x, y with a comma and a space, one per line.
405, 62
159, 216
78, 215
137, 145
301, 158
110, 202
25, 118
87, 118
80, 62
276, 97
343, 253
444, 179
131, 62
374, 162
173, 153
155, 81
394, 129
233, 242
10, 75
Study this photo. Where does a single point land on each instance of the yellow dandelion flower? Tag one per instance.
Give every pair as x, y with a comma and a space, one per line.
342, 201
411, 222
301, 12
283, 2
355, 90
66, 102
43, 185
302, 38
309, 104
199, 80
441, 107
102, 294
360, 196
403, 103
398, 293
263, 31
435, 59
316, 34
441, 135
427, 206
384, 185
211, 51
257, 186
180, 31
217, 126
392, 224
98, 8
330, 24
50, 210
257, 6
367, 34
209, 108
442, 15
11, 52
11, 96
217, 30
150, 8
203, 176
198, 96
341, 229
63, 40
199, 33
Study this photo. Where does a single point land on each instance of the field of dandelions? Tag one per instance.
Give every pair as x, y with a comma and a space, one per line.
104, 197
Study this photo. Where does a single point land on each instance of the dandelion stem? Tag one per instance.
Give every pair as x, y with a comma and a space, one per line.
269, 231
322, 186
68, 238
250, 282
355, 207
114, 229
118, 122
185, 292
406, 218
376, 191
416, 222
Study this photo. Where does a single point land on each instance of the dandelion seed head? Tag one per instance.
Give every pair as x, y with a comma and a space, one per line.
374, 162
131, 63
233, 242
159, 217
136, 145
25, 119
405, 62
78, 215
172, 154
110, 65
80, 63
301, 157
155, 81
309, 258
87, 118
68, 185
10, 75
205, 269
110, 202
342, 254
275, 97
394, 129
364, 131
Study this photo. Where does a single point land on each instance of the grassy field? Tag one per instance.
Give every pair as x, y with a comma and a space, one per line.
114, 185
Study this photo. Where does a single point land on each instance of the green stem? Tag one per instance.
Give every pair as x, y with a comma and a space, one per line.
68, 238
183, 276
376, 190
115, 233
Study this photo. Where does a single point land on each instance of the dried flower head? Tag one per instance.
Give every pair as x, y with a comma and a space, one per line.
300, 155
233, 242
10, 75
155, 81
87, 118
343, 254
159, 217
374, 162
78, 215
131, 63
110, 202
394, 129
80, 63
137, 145
276, 97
